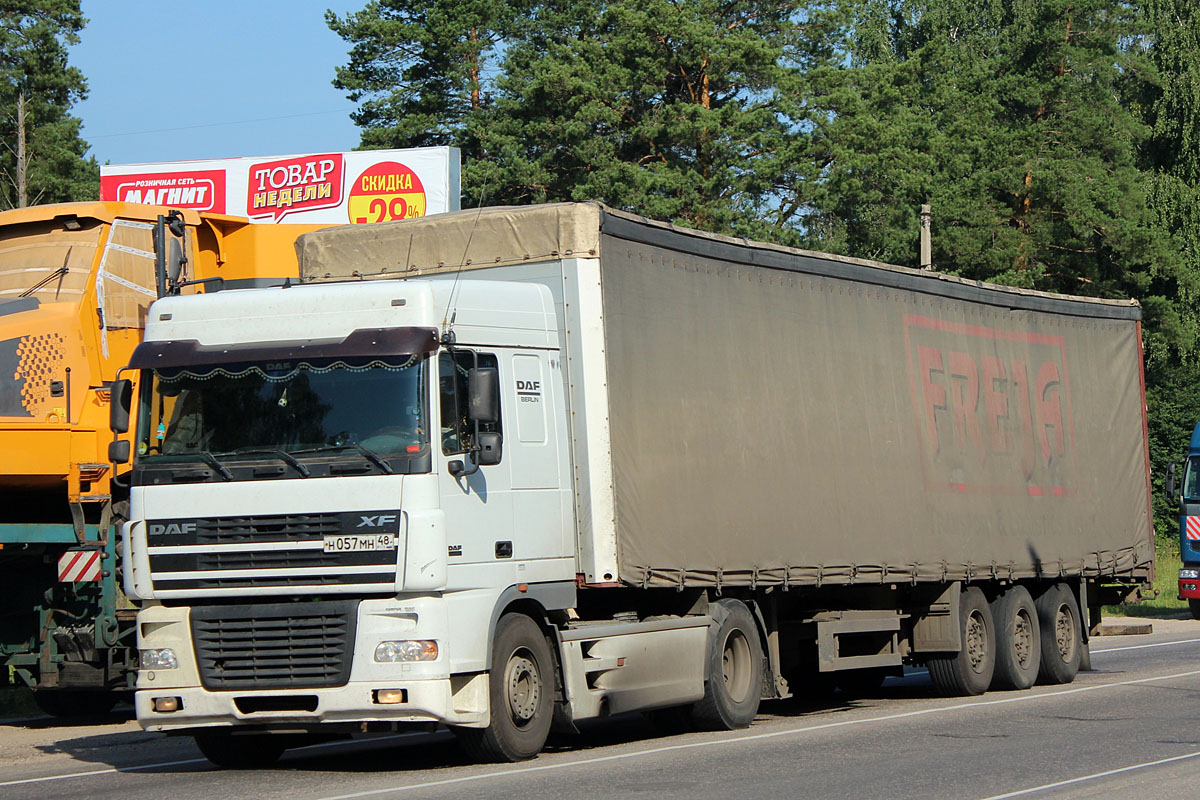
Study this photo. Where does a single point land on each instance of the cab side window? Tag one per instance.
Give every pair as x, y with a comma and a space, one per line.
457, 430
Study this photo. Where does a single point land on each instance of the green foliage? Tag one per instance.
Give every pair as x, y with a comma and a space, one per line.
1007, 118
421, 69
34, 35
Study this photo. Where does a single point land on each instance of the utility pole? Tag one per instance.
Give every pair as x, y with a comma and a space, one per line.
926, 240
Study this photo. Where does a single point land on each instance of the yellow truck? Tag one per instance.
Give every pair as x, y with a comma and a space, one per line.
76, 281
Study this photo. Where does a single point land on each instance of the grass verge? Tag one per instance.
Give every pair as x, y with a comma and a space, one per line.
1166, 581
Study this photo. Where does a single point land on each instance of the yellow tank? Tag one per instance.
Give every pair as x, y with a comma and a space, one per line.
76, 281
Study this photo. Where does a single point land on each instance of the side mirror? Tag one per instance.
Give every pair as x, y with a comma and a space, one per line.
174, 261
483, 394
490, 449
121, 399
118, 451
1169, 484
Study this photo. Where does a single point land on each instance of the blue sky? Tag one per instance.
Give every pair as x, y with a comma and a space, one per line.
170, 81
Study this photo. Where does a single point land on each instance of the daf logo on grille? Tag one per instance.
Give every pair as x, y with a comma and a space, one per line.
172, 529
377, 521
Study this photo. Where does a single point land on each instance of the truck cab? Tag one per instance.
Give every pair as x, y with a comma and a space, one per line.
1189, 526
330, 522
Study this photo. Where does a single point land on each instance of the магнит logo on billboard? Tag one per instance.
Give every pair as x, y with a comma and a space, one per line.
305, 183
202, 190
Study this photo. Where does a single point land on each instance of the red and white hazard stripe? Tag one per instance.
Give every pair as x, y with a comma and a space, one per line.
1192, 529
79, 565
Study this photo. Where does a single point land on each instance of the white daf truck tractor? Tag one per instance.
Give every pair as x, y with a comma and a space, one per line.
514, 468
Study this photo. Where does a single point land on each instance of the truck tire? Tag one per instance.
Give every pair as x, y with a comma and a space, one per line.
734, 669
521, 694
1018, 640
1194, 607
969, 671
247, 751
1062, 637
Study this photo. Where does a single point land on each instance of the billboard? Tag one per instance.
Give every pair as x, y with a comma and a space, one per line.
322, 188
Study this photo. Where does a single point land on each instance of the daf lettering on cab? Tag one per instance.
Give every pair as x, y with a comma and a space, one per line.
561, 462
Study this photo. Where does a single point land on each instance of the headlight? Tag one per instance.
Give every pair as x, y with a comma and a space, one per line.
1189, 573
162, 658
416, 650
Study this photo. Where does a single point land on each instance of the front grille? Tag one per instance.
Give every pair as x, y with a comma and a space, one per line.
250, 530
271, 551
274, 645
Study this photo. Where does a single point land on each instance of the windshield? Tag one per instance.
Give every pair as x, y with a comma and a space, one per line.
1191, 479
297, 407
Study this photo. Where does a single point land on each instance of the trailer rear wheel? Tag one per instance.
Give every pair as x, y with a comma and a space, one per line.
247, 751
1018, 639
521, 691
969, 671
1062, 638
734, 686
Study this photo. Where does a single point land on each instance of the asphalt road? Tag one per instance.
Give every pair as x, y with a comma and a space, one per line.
1127, 728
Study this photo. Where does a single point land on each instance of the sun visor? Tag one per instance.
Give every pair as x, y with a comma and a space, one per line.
363, 343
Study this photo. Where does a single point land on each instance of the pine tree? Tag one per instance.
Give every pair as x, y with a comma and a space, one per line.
670, 109
44, 159
421, 69
1008, 118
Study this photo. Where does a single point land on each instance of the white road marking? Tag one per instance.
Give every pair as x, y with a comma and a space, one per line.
1091, 777
753, 737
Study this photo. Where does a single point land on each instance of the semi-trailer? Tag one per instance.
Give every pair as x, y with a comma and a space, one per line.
511, 468
76, 281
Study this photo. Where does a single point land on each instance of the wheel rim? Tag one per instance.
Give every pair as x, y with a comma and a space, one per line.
1023, 639
977, 644
1064, 632
735, 666
524, 687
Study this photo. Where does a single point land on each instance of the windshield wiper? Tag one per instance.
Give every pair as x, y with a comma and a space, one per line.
284, 455
368, 453
211, 460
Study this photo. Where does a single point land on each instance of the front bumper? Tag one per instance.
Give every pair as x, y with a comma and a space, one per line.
449, 701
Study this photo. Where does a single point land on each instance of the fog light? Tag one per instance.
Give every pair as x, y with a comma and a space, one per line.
161, 658
390, 697
1189, 573
165, 705
1187, 587
417, 650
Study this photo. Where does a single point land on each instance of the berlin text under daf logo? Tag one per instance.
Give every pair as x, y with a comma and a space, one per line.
172, 529
377, 521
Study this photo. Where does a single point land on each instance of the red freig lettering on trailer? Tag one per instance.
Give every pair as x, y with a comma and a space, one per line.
202, 190
992, 407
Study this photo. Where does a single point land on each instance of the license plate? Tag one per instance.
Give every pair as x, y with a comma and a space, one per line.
359, 542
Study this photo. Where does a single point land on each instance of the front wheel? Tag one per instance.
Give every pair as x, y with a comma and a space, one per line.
1194, 607
734, 685
521, 692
